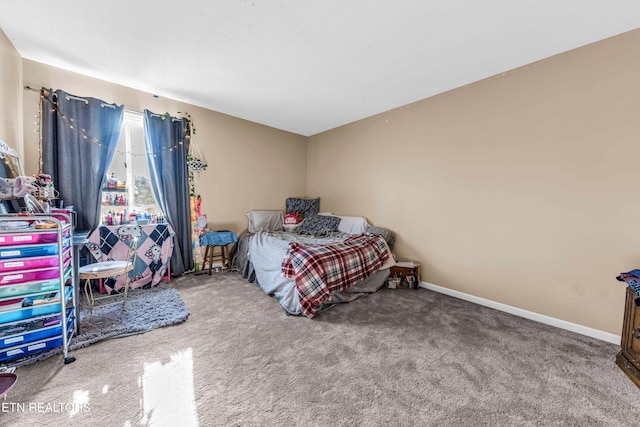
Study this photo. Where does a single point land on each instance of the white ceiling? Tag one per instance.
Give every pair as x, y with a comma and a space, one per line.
304, 66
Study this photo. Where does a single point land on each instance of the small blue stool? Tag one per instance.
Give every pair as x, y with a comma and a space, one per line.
217, 239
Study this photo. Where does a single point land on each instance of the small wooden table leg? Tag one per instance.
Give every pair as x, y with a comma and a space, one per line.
209, 257
225, 256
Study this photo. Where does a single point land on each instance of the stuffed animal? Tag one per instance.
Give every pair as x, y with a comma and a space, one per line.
292, 221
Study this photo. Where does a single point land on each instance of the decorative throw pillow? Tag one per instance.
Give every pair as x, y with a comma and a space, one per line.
319, 224
305, 207
265, 220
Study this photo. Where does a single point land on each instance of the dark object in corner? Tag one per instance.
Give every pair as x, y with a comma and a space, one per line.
632, 278
628, 359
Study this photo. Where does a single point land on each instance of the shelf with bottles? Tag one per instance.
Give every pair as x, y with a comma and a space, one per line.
122, 217
115, 216
113, 185
113, 199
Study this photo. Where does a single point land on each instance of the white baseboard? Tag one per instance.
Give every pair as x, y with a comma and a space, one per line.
573, 327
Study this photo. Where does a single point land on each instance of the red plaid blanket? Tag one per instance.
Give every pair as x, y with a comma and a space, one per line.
320, 270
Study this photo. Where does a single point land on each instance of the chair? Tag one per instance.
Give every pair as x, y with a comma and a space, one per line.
106, 269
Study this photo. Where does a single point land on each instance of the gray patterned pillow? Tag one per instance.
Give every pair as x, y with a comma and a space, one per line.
319, 224
305, 207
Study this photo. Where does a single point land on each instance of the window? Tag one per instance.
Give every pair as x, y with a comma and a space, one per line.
128, 190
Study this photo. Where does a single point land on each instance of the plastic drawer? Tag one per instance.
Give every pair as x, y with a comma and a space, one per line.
30, 348
31, 336
30, 237
33, 330
15, 264
42, 308
22, 276
38, 286
22, 251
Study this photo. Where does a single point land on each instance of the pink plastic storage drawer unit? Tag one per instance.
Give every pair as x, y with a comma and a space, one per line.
30, 238
11, 277
16, 264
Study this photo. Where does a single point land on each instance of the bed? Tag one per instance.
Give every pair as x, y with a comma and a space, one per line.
312, 268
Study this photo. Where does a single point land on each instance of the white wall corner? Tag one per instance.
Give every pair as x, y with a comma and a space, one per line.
563, 324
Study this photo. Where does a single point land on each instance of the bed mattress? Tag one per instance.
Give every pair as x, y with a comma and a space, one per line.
265, 252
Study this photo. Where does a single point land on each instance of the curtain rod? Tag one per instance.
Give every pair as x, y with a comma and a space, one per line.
27, 87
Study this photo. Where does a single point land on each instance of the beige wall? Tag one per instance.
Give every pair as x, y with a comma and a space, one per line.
10, 94
522, 189
251, 166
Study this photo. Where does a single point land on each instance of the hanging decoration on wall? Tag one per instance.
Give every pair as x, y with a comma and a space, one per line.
195, 162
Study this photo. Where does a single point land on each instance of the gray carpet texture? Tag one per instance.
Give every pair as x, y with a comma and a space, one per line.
396, 358
147, 309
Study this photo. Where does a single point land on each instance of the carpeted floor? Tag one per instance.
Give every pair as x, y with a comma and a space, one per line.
398, 357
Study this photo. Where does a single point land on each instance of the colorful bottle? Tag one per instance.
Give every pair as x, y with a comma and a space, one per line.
112, 182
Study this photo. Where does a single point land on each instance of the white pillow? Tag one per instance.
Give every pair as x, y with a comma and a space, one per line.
353, 224
265, 220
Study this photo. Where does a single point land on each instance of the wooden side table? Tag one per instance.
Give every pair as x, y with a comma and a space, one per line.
402, 269
213, 239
